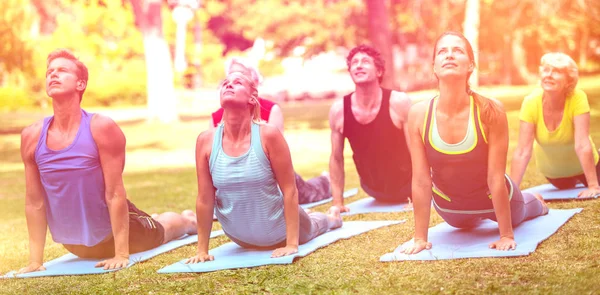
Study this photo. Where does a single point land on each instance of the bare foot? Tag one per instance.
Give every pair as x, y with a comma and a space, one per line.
335, 219
190, 215
154, 215
544, 205
326, 174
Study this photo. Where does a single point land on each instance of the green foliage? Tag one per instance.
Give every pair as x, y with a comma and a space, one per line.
12, 98
16, 48
122, 84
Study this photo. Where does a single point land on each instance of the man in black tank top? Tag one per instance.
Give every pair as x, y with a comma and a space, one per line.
374, 121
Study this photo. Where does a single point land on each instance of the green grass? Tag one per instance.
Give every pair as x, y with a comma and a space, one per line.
160, 176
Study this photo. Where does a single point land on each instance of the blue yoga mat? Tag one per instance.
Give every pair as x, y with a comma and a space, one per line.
70, 264
348, 193
232, 256
452, 243
549, 192
370, 205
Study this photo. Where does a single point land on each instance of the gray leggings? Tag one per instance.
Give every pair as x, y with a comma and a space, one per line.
311, 226
523, 206
312, 190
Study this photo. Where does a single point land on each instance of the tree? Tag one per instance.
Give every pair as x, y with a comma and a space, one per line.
16, 52
471, 31
381, 37
159, 70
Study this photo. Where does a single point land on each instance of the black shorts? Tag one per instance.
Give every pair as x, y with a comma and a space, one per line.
145, 233
571, 182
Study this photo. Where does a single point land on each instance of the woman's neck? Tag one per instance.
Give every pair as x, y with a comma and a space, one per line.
554, 100
237, 124
453, 97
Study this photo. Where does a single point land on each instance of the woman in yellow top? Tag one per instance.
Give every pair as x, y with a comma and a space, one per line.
558, 117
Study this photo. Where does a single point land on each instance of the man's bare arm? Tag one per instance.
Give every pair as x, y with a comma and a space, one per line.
111, 146
336, 160
35, 207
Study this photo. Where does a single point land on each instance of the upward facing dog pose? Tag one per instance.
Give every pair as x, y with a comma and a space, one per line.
245, 171
74, 163
374, 121
459, 142
314, 189
557, 116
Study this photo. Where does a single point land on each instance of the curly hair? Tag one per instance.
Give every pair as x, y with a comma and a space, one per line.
370, 51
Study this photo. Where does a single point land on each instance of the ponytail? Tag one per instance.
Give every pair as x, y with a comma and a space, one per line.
256, 118
489, 111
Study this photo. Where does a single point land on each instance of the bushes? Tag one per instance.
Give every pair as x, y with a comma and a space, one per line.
125, 84
12, 98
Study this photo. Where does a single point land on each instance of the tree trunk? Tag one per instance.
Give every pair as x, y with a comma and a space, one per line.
519, 60
381, 38
583, 46
162, 102
471, 31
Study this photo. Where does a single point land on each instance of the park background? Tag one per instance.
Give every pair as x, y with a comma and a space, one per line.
155, 66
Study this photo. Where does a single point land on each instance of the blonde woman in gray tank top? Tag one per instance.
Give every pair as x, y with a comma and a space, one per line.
245, 172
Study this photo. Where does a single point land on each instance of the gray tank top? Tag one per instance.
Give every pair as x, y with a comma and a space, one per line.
249, 203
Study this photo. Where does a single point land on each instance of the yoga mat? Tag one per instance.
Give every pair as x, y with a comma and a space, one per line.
452, 243
370, 205
70, 264
348, 193
232, 256
549, 192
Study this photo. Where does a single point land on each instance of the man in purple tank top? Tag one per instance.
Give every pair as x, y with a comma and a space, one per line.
74, 163
374, 121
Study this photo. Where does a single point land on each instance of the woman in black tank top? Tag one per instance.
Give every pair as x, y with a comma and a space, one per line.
484, 192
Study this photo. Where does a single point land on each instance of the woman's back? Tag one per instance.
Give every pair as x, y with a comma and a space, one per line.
248, 201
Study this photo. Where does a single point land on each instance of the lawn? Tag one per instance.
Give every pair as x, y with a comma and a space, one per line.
160, 176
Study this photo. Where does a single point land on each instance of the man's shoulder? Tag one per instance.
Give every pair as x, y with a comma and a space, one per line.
106, 132
30, 135
103, 123
400, 97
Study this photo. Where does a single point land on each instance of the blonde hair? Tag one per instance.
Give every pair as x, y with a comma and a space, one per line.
560, 60
250, 70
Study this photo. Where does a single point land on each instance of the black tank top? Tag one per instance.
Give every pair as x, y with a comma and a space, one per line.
379, 149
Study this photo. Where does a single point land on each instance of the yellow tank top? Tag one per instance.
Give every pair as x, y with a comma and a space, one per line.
555, 150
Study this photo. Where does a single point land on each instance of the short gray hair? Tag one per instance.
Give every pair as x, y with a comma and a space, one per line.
560, 60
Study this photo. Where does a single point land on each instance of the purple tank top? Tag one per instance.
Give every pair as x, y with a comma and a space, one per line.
74, 187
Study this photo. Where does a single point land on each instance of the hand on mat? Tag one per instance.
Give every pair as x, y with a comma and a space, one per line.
504, 244
590, 192
342, 208
200, 258
31, 268
285, 251
113, 263
417, 246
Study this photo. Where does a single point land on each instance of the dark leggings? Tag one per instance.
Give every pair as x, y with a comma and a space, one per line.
400, 196
571, 182
523, 206
313, 190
